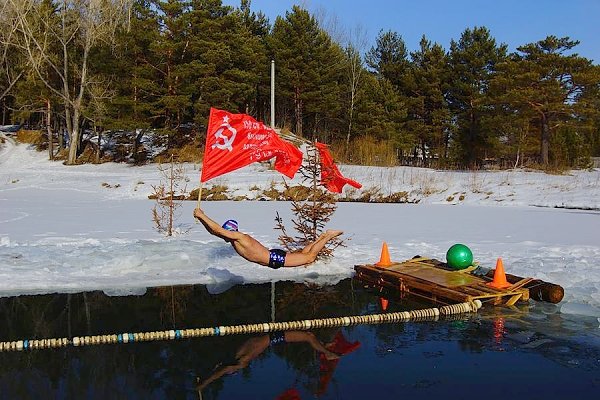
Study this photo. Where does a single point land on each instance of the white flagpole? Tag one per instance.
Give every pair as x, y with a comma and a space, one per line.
273, 94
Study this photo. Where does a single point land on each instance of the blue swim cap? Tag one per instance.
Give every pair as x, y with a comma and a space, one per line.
231, 225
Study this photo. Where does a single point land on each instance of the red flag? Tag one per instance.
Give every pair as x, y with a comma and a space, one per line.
236, 140
289, 394
331, 177
340, 346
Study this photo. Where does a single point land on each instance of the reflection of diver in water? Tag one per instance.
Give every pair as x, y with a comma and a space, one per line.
253, 347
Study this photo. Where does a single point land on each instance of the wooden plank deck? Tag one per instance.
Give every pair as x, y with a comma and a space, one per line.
428, 278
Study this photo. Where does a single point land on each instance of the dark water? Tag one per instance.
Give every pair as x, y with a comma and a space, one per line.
529, 351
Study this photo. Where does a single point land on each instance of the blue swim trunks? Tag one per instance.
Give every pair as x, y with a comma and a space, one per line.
276, 338
276, 258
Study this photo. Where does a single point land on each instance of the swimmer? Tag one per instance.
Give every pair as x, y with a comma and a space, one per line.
252, 250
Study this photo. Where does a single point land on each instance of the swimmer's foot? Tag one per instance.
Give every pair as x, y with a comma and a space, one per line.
330, 355
333, 233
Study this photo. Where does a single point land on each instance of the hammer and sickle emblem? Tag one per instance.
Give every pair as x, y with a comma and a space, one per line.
227, 140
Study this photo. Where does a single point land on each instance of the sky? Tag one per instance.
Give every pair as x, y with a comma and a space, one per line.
89, 227
513, 22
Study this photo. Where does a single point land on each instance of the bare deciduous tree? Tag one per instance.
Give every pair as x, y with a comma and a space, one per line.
354, 42
12, 66
56, 39
357, 41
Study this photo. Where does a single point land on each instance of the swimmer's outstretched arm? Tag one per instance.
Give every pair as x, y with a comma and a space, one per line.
214, 228
226, 370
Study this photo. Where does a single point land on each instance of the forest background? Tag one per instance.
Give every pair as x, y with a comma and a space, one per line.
143, 74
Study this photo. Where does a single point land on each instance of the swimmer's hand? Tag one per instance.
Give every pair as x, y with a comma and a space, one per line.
198, 213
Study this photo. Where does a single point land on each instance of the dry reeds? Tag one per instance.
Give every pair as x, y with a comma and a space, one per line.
366, 151
35, 137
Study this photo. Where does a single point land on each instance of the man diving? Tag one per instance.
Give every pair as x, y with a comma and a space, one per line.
252, 250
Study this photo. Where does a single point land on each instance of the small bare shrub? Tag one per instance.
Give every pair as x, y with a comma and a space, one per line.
397, 197
476, 182
370, 195
169, 195
272, 193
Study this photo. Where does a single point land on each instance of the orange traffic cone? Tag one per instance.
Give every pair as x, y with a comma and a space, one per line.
499, 281
384, 303
384, 260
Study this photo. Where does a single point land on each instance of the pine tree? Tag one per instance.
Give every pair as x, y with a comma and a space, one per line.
389, 58
135, 105
257, 24
307, 69
388, 110
589, 100
172, 47
429, 115
547, 87
473, 61
388, 61
226, 61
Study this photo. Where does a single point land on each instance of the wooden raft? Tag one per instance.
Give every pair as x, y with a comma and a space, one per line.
428, 279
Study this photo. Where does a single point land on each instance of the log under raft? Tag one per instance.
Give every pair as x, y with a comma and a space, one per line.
435, 281
538, 289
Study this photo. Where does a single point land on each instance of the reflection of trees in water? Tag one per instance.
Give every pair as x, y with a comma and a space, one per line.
154, 369
169, 369
298, 301
174, 302
93, 313
96, 372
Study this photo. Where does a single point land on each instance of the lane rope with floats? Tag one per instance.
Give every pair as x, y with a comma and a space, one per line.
429, 314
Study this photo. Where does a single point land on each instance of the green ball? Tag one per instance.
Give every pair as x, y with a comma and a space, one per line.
459, 256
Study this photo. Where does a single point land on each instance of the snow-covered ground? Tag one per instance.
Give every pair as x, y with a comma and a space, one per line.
75, 228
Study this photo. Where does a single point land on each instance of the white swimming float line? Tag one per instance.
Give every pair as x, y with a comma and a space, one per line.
427, 314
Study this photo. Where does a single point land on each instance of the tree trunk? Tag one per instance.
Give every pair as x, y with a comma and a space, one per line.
298, 111
98, 154
545, 142
74, 140
446, 143
49, 130
171, 204
315, 167
350, 115
471, 151
136, 146
61, 137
